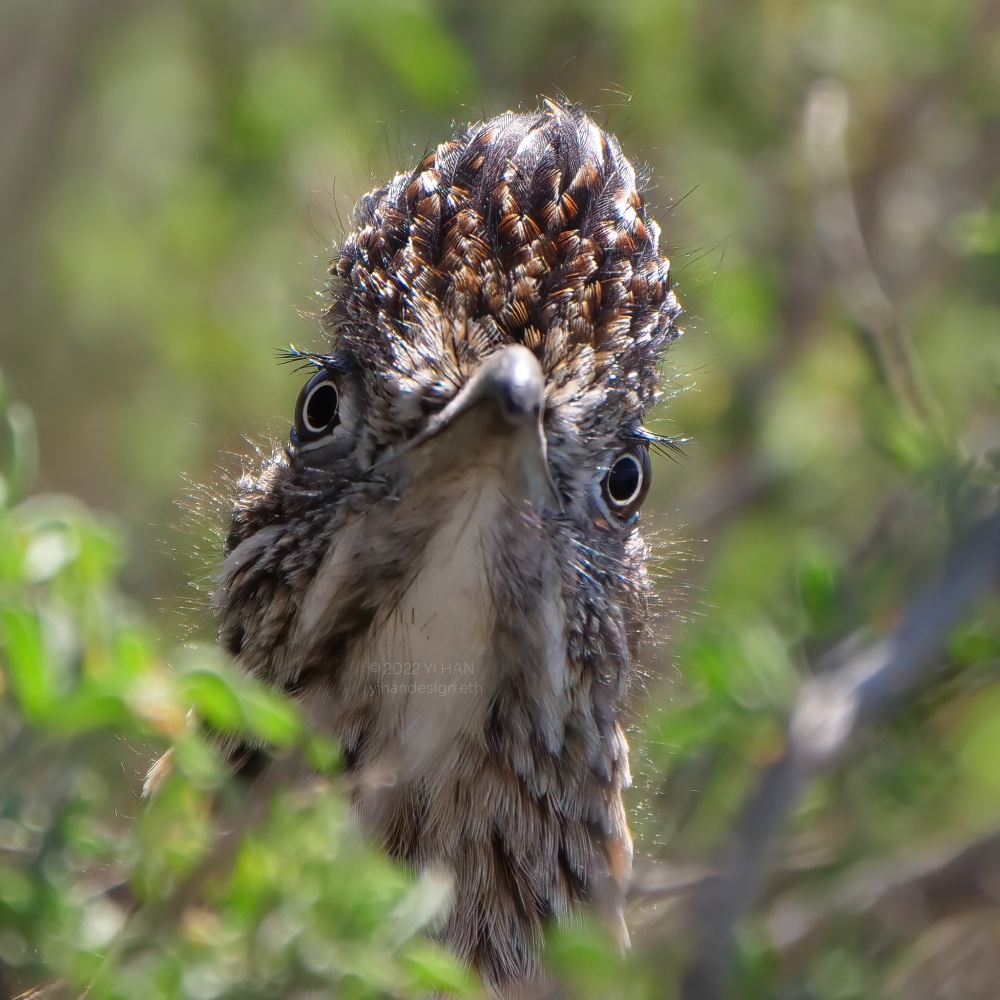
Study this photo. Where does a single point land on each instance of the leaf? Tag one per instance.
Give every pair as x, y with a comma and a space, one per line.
30, 672
212, 698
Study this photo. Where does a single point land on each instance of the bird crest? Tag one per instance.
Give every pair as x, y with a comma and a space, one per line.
525, 229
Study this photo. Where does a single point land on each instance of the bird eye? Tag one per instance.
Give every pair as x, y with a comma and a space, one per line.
627, 482
318, 408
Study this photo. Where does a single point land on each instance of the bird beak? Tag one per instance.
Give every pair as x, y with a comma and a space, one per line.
496, 419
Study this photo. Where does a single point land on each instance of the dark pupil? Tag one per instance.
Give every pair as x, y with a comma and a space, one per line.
321, 406
623, 480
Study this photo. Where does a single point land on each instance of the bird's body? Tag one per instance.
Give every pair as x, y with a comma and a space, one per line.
443, 564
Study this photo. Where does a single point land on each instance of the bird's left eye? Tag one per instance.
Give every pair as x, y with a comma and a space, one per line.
318, 408
627, 482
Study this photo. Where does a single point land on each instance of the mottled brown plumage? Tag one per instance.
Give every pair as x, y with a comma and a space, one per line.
461, 487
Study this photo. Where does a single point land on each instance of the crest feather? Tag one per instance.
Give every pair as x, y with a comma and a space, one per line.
527, 228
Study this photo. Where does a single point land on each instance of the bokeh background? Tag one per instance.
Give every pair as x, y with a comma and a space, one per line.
173, 177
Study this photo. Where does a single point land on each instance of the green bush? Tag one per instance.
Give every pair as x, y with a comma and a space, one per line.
262, 894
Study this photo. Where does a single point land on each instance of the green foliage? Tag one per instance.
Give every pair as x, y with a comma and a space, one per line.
241, 898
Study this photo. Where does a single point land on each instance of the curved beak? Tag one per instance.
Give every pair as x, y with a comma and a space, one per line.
495, 420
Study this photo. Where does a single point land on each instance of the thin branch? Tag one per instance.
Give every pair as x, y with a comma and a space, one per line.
883, 329
908, 895
830, 709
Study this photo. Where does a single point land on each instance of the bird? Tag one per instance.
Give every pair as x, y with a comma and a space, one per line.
443, 564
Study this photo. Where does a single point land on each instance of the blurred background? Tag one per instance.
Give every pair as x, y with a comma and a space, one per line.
173, 178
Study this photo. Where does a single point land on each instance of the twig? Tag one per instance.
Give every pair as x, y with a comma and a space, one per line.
883, 329
829, 711
909, 895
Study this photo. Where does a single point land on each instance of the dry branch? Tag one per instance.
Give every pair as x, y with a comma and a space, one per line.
831, 708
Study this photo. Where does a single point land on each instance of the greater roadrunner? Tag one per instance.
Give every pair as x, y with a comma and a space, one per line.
460, 494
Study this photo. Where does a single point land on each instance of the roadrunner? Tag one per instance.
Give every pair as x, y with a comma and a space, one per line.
443, 564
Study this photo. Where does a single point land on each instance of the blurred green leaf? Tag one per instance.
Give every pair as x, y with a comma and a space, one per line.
213, 699
29, 668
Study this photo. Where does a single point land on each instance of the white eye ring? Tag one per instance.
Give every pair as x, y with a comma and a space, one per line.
631, 476
318, 409
627, 482
309, 404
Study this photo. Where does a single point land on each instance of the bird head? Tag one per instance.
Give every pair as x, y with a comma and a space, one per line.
463, 479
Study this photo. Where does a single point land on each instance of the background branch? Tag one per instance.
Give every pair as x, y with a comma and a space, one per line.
830, 709
884, 331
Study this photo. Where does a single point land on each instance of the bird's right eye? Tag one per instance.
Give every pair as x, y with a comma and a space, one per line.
627, 482
317, 411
